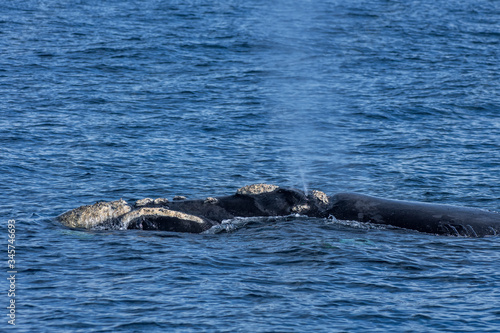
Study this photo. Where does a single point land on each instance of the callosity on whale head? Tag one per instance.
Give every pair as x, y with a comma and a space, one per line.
100, 213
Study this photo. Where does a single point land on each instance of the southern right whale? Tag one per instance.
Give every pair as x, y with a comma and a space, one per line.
196, 216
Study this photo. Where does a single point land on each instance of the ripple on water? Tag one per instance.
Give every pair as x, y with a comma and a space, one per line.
102, 101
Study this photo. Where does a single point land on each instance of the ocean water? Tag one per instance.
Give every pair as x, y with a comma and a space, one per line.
101, 100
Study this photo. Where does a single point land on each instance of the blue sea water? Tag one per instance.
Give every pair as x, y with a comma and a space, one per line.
101, 100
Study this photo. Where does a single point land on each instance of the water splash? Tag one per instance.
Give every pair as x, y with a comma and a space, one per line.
236, 223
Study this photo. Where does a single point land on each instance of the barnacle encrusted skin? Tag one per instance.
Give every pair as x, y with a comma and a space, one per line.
320, 196
155, 211
255, 189
211, 200
99, 213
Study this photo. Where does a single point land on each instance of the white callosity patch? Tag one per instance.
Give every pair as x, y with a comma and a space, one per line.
99, 213
257, 189
148, 202
152, 211
160, 201
211, 200
143, 202
320, 196
300, 208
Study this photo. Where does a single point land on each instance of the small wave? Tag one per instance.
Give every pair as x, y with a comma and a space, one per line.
236, 223
358, 225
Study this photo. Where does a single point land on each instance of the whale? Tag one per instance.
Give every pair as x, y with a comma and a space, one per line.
264, 200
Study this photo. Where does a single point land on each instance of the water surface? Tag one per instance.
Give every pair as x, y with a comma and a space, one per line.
108, 100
